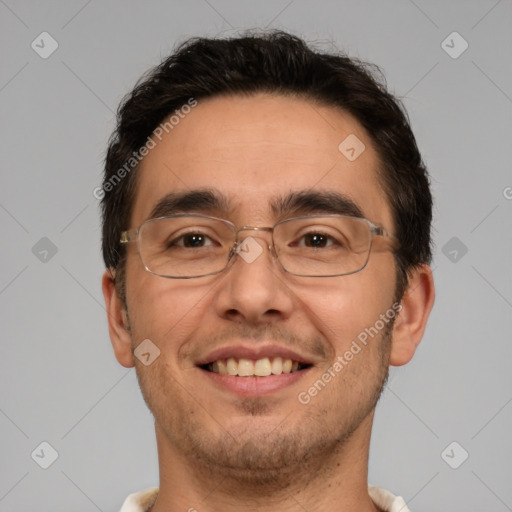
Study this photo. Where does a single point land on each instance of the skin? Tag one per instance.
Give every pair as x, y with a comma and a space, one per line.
218, 451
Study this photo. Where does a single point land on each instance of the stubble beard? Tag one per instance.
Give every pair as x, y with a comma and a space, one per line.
266, 457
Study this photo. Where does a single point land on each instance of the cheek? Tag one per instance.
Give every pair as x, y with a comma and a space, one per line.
166, 311
342, 308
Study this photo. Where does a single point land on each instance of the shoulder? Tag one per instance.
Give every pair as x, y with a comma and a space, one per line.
386, 500
140, 501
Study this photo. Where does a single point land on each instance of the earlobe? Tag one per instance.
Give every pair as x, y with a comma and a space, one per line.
410, 324
117, 322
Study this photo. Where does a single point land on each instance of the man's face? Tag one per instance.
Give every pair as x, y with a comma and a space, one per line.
254, 151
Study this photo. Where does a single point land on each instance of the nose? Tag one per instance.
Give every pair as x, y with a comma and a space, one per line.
254, 289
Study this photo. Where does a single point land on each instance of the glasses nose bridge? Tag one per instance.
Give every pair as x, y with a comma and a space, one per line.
263, 229
254, 228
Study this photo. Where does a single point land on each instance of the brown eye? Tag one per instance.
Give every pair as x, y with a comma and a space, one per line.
194, 240
191, 241
315, 240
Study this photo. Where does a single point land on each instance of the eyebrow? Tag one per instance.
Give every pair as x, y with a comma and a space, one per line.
315, 201
213, 202
201, 201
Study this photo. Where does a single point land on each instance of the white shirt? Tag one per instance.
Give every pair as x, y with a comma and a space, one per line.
143, 500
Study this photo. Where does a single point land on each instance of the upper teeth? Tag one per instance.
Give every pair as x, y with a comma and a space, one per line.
248, 367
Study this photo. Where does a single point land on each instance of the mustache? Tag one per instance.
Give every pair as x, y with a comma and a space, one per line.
268, 332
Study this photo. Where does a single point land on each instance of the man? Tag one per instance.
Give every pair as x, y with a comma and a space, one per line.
266, 230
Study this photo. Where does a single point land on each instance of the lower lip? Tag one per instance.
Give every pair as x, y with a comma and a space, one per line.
255, 386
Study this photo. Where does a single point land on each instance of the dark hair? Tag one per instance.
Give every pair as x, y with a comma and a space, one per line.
280, 63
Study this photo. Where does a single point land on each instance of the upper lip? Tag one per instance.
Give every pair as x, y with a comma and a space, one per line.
242, 351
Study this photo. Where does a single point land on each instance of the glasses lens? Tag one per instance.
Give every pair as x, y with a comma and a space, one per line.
323, 246
185, 246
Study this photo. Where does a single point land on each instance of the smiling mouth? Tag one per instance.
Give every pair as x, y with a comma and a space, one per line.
264, 367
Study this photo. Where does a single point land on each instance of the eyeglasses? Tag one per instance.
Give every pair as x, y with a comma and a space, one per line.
185, 246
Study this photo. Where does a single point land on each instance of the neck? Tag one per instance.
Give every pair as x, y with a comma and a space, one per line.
336, 482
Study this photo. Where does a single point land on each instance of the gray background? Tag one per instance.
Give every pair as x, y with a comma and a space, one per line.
59, 380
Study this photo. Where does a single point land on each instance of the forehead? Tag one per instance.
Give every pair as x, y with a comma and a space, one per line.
255, 152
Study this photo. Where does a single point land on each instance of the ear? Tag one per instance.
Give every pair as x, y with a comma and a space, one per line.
411, 322
117, 322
